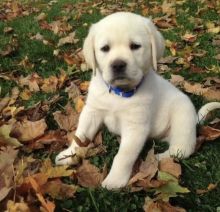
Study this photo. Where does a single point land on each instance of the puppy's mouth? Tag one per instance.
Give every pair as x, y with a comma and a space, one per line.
123, 82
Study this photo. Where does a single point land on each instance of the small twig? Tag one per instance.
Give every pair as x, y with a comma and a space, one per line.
67, 156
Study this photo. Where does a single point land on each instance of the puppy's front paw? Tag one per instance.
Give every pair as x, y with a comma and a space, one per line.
64, 157
114, 182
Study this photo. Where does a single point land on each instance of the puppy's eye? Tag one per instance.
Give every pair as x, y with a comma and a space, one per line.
105, 48
135, 46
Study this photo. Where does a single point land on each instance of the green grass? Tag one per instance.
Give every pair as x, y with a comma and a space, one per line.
199, 170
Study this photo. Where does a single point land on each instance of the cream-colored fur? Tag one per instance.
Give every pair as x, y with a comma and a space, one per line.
156, 110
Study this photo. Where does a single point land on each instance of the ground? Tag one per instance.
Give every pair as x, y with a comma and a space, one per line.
42, 71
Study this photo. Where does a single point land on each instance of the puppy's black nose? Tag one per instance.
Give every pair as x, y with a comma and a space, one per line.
118, 66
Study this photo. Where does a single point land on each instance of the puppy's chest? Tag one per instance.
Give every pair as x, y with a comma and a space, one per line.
113, 122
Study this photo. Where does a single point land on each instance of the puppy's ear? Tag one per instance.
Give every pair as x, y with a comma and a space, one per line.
157, 42
89, 49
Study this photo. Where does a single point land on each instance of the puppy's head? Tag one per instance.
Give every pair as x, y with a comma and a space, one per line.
123, 47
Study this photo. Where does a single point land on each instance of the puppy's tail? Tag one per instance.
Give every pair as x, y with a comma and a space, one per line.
205, 109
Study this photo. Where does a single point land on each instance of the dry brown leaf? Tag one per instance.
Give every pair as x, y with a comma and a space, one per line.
53, 136
164, 22
5, 137
210, 187
73, 91
4, 102
25, 94
84, 86
172, 47
89, 175
47, 205
7, 157
55, 171
41, 17
70, 59
167, 60
32, 81
50, 85
148, 169
189, 37
160, 206
79, 104
26, 63
27, 130
209, 133
168, 165
8, 29
67, 120
17, 206
168, 8
58, 27
70, 39
209, 93
10, 49
59, 190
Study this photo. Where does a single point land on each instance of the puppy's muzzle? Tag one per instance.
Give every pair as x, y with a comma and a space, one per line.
118, 68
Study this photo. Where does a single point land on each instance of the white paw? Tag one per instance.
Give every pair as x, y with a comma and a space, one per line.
64, 157
115, 182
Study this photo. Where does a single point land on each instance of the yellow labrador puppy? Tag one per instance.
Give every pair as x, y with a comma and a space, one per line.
129, 97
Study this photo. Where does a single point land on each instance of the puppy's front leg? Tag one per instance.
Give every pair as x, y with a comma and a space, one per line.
90, 121
132, 141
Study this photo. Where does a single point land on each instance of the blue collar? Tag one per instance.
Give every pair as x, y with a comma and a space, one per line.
121, 92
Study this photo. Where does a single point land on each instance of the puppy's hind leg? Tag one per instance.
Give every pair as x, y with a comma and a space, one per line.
182, 135
89, 122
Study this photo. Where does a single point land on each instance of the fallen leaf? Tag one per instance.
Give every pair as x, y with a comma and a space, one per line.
67, 120
209, 133
8, 30
172, 47
189, 37
79, 104
168, 165
89, 175
73, 91
151, 205
59, 190
50, 85
10, 49
70, 39
171, 188
210, 187
164, 22
7, 158
167, 60
26, 63
5, 137
84, 86
58, 27
25, 94
148, 168
41, 17
32, 81
47, 205
168, 8
209, 93
55, 171
52, 136
27, 130
17, 206
4, 102
217, 57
